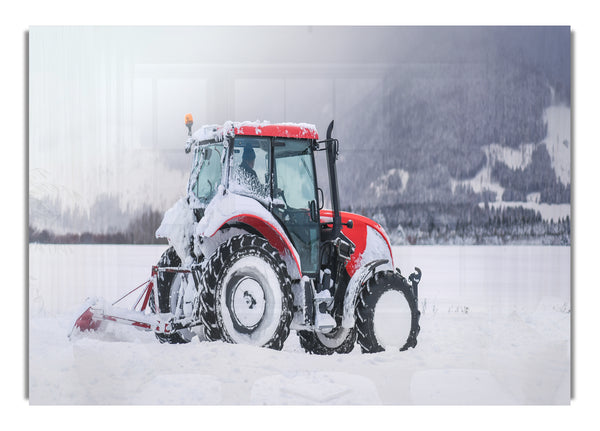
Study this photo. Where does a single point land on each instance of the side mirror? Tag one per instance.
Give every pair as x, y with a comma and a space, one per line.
314, 212
321, 198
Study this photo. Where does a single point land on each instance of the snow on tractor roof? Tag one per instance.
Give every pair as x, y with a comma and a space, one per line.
215, 132
280, 130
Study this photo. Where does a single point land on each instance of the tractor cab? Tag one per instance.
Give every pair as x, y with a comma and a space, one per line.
273, 165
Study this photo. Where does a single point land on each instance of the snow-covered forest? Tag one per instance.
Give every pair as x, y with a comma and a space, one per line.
457, 137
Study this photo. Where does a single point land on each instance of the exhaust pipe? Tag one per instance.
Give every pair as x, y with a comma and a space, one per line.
332, 152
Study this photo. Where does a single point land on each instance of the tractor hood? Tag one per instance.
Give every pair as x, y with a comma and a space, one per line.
370, 239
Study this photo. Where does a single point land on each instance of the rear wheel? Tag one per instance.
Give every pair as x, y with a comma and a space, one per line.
386, 314
169, 286
246, 294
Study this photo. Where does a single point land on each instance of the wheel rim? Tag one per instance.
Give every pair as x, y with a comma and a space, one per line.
247, 304
335, 338
392, 319
250, 302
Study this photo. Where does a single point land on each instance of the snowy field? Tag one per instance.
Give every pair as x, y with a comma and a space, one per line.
495, 329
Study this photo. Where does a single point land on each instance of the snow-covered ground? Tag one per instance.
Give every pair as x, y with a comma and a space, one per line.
495, 329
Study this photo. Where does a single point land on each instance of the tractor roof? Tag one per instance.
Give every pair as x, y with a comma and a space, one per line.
247, 128
281, 130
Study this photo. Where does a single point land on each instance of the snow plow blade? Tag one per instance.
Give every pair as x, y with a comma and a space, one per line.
93, 316
86, 321
95, 311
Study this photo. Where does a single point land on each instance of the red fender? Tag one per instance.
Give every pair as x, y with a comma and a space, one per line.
272, 233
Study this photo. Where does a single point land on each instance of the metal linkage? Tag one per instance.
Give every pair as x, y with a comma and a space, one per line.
415, 279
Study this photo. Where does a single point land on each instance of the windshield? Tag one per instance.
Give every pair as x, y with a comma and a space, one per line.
206, 173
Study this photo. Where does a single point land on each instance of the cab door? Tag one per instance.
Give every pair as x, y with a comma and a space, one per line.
294, 193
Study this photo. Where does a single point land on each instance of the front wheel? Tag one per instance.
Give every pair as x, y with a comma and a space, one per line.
339, 340
386, 314
246, 295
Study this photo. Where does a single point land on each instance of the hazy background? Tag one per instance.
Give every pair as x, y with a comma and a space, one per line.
417, 110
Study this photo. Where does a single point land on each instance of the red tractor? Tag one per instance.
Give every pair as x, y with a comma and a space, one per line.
253, 254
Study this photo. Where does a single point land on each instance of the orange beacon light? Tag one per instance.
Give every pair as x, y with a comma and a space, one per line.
189, 121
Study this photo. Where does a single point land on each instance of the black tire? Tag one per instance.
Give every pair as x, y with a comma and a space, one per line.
366, 309
168, 290
340, 340
246, 294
